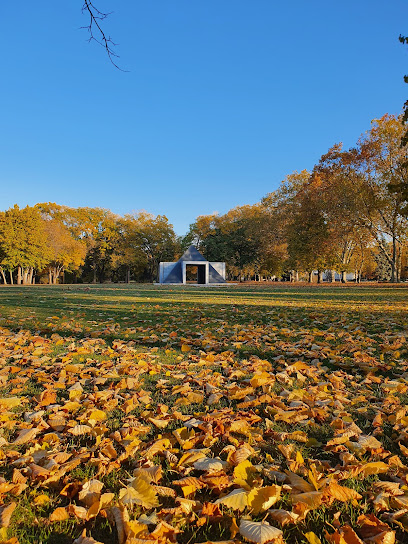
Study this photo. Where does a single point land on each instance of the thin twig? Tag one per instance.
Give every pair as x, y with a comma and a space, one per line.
95, 18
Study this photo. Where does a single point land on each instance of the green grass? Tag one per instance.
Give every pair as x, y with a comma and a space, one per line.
140, 330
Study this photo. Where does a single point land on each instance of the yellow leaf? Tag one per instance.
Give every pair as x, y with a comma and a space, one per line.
237, 456
244, 471
260, 378
72, 406
209, 464
98, 415
241, 426
312, 538
158, 447
299, 458
10, 402
93, 510
298, 482
183, 435
159, 423
40, 500
139, 492
311, 499
106, 499
237, 499
135, 529
60, 514
262, 498
189, 485
234, 529
374, 468
189, 458
121, 517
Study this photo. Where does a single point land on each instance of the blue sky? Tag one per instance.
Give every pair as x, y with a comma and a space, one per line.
221, 100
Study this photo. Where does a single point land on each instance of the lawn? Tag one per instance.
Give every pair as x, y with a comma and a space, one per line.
150, 414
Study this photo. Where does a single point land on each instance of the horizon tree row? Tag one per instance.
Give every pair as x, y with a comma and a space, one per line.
348, 215
50, 243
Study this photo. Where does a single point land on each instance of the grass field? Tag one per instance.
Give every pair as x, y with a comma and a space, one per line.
134, 413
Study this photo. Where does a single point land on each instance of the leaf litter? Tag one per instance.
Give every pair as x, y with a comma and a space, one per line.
305, 441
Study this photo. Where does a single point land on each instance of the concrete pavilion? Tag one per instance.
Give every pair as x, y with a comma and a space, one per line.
207, 272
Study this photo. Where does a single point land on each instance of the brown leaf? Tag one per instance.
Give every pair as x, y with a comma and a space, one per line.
341, 493
59, 514
83, 539
6, 513
24, 436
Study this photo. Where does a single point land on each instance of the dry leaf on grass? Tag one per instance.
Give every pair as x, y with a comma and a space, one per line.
260, 532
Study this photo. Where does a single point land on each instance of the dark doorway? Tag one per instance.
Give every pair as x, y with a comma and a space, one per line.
195, 273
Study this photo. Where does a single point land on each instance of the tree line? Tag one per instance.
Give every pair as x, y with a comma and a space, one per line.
50, 243
347, 215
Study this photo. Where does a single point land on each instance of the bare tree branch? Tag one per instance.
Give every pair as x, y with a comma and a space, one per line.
94, 27
404, 40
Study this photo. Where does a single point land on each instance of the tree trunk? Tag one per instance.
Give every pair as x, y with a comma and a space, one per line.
25, 276
11, 277
19, 277
4, 276
56, 274
333, 276
320, 276
343, 276
31, 275
310, 277
394, 260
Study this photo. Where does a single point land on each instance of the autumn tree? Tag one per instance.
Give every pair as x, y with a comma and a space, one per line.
241, 238
152, 239
381, 164
308, 233
203, 227
128, 259
282, 206
23, 243
65, 252
97, 228
335, 180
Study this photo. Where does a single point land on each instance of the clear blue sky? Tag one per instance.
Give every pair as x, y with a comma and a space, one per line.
223, 98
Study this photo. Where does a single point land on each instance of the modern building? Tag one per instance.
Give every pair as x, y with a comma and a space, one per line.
207, 272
